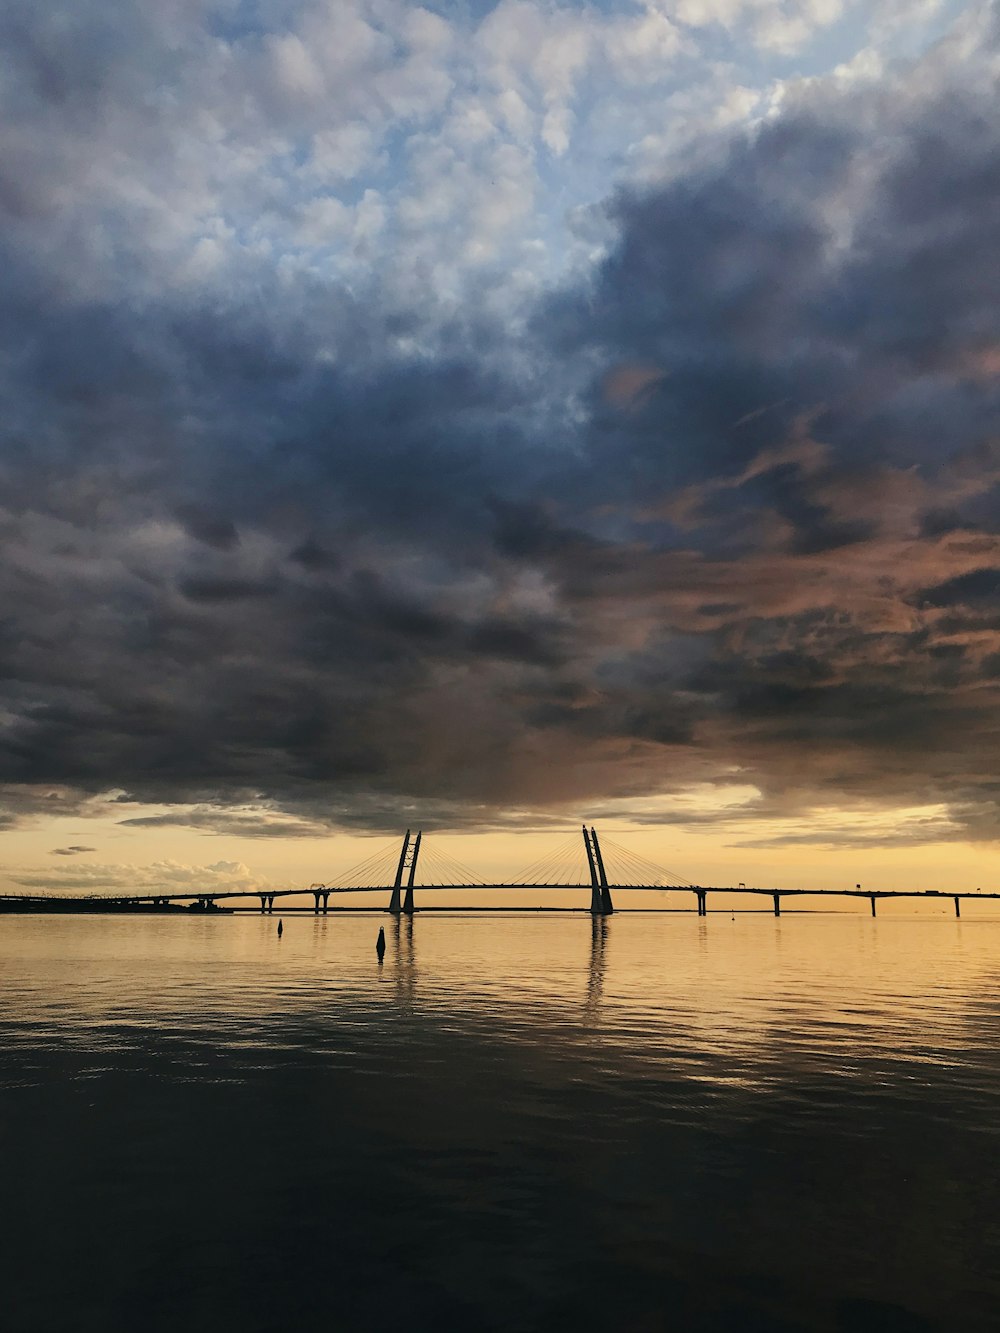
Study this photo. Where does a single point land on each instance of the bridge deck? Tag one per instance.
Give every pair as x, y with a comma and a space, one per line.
27, 901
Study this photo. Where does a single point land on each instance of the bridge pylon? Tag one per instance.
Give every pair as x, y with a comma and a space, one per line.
600, 894
408, 896
407, 866
595, 883
394, 904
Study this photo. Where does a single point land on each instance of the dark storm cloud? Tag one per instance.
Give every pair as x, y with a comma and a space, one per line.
726, 511
209, 528
978, 588
224, 590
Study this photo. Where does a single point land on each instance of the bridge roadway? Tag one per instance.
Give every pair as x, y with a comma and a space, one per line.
208, 900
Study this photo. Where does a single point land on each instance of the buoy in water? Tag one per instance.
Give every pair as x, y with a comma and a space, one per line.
281, 929
380, 944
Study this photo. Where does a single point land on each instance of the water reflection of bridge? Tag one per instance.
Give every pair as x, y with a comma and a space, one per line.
601, 870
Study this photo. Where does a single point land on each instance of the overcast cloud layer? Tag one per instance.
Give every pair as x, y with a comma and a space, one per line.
500, 409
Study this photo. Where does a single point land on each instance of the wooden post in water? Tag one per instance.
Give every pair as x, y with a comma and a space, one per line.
958, 910
872, 896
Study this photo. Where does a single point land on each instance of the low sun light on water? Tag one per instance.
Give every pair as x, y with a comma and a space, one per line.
731, 1123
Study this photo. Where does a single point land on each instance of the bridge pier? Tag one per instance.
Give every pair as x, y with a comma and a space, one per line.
263, 903
777, 903
326, 901
958, 910
702, 898
872, 896
316, 902
270, 902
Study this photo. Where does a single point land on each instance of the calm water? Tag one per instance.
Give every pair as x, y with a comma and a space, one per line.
517, 1123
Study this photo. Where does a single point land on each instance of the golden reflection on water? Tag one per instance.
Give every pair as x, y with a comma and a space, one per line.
743, 986
803, 1108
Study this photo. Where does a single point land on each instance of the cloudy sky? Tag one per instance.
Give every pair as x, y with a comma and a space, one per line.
483, 416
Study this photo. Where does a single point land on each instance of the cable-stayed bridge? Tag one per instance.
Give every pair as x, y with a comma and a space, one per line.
573, 864
578, 865
398, 871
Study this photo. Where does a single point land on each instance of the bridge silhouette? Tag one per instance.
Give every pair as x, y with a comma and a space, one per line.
575, 864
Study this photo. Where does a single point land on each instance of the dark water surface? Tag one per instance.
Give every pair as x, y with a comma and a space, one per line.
517, 1123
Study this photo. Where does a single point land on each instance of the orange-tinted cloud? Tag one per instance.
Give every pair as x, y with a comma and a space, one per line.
631, 386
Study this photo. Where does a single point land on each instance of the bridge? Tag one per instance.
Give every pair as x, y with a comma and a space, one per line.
394, 876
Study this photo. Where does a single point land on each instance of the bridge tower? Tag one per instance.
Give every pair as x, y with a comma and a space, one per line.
407, 863
600, 894
414, 853
607, 906
394, 904
595, 883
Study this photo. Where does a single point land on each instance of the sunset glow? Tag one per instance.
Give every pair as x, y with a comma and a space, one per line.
486, 418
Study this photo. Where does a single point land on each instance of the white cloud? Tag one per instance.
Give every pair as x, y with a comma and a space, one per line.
376, 135
342, 152
295, 69
324, 222
645, 47
556, 129
699, 13
156, 877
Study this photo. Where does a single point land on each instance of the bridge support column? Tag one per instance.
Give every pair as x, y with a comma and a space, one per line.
958, 909
408, 896
702, 898
595, 883
270, 902
872, 896
326, 901
394, 904
263, 903
316, 902
600, 893
607, 906
777, 903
